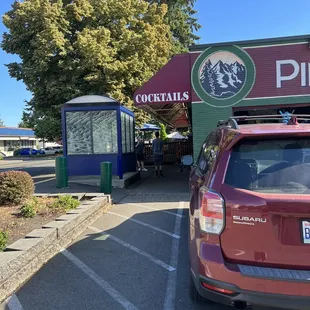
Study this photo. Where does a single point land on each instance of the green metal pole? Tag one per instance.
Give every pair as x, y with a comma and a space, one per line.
61, 172
106, 177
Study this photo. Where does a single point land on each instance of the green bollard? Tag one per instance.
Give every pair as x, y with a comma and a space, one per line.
106, 177
61, 172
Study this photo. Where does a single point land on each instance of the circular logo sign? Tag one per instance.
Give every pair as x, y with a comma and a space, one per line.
222, 76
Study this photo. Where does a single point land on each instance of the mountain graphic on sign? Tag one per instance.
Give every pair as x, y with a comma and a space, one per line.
222, 79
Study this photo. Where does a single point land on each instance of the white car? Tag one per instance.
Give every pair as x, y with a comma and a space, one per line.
58, 150
48, 151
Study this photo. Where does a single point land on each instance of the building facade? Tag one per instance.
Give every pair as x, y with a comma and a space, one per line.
15, 138
216, 81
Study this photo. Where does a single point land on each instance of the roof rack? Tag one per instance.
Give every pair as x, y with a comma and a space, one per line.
270, 117
232, 122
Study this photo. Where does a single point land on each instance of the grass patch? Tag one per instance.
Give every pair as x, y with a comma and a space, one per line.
30, 208
18, 220
44, 206
65, 203
3, 240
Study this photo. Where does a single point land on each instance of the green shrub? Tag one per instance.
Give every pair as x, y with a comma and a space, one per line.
3, 240
162, 132
15, 187
30, 208
65, 202
1, 157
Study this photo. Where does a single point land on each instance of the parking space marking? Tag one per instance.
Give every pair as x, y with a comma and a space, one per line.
154, 209
13, 303
146, 225
44, 181
134, 249
102, 283
169, 301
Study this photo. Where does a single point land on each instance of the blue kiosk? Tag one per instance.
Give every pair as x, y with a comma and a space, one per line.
97, 129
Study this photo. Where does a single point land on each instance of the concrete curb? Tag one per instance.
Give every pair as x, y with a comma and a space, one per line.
129, 178
29, 158
26, 256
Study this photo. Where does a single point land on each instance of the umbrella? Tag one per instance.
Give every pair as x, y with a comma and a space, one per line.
149, 127
176, 135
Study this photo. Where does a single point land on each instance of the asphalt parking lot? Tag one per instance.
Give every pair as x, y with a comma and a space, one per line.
134, 257
39, 169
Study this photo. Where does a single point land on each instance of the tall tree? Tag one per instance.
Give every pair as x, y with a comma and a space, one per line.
1, 122
182, 21
73, 48
47, 129
24, 123
21, 124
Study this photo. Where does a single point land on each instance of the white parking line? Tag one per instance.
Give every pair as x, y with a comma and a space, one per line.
154, 209
134, 249
169, 302
146, 225
44, 181
103, 284
13, 303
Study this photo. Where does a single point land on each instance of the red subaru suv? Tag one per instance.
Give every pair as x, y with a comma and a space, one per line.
249, 218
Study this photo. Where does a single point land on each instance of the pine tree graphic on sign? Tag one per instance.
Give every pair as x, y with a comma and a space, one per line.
223, 75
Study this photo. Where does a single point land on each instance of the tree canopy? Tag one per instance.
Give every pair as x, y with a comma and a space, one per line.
1, 122
162, 132
182, 22
73, 48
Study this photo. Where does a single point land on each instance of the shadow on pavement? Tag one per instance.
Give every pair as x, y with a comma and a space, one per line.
47, 186
101, 262
173, 187
111, 252
61, 285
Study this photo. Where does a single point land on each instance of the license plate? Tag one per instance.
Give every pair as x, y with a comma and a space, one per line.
306, 231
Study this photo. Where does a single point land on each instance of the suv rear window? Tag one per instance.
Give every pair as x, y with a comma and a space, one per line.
271, 166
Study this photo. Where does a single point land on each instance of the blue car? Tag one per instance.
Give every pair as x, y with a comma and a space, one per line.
26, 152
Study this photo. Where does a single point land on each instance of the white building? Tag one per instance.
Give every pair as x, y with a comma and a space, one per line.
15, 138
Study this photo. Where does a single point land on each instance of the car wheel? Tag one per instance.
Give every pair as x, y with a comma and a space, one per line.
194, 294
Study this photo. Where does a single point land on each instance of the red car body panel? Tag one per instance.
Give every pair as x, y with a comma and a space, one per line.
213, 265
273, 241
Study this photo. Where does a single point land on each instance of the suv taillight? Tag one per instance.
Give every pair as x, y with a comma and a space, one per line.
211, 212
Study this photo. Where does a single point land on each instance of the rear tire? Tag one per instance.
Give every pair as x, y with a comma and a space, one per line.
194, 294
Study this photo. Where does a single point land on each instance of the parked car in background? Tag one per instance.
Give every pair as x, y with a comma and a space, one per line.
47, 151
55, 150
249, 215
58, 150
26, 152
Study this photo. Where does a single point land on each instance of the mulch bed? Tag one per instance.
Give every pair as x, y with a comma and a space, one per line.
17, 227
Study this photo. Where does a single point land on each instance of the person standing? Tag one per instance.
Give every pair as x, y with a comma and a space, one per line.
158, 154
140, 154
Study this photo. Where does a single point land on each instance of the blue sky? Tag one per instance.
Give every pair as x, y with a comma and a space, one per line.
221, 21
